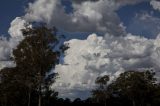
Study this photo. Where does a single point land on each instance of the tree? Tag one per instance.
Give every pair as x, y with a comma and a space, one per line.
34, 58
136, 86
101, 93
155, 96
12, 91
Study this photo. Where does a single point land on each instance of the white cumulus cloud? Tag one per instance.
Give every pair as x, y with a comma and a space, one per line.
85, 60
7, 45
155, 4
86, 16
16, 26
5, 52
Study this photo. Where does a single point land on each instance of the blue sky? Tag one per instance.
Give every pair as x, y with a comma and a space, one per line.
10, 9
128, 13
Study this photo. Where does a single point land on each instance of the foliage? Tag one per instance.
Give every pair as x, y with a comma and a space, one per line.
34, 58
101, 94
132, 87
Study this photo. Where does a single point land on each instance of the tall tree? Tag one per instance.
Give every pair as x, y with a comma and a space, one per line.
100, 93
34, 58
136, 86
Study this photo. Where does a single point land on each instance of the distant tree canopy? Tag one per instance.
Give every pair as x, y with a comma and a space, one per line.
138, 88
101, 94
34, 58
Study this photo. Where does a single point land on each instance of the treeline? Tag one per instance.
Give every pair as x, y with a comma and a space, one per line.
28, 83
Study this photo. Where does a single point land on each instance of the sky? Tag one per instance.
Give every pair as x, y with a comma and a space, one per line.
10, 9
105, 37
128, 13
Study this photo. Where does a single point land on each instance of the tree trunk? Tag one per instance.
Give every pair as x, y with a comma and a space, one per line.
5, 100
133, 102
105, 104
142, 102
39, 100
39, 88
29, 98
40, 97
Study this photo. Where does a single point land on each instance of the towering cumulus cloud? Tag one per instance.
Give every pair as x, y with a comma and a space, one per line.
6, 46
96, 56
